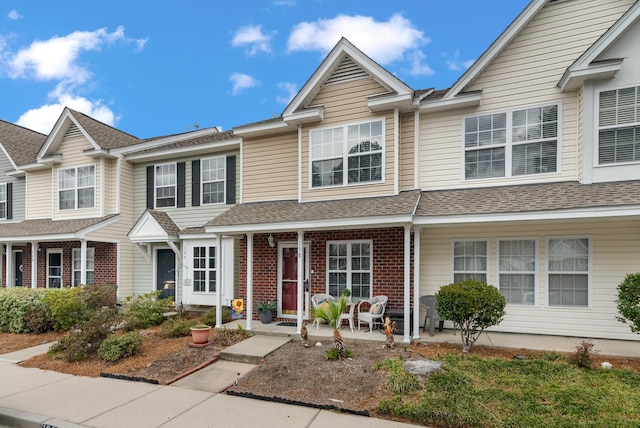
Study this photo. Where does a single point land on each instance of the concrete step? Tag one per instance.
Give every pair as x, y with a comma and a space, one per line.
254, 349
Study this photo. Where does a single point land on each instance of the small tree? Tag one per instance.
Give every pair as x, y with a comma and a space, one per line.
473, 306
629, 301
331, 314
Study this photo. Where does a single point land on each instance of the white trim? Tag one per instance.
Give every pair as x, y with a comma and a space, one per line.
202, 182
307, 253
300, 163
396, 151
118, 183
13, 164
536, 288
173, 152
349, 271
444, 104
103, 199
589, 272
48, 277
416, 149
416, 281
34, 265
406, 284
137, 148
262, 129
155, 187
76, 188
9, 265
249, 305
486, 272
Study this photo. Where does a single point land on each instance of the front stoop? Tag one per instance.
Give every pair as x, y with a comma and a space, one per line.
254, 349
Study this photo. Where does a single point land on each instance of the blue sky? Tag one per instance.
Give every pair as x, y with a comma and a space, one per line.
156, 68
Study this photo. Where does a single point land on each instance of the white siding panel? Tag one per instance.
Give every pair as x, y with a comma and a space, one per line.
40, 196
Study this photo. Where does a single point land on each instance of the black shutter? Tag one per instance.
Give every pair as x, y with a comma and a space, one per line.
181, 182
151, 197
195, 183
231, 180
9, 201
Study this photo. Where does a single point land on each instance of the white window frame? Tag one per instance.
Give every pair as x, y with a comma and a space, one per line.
76, 188
76, 266
344, 154
470, 273
617, 126
209, 270
349, 271
533, 273
588, 272
50, 277
509, 144
223, 180
173, 185
3, 201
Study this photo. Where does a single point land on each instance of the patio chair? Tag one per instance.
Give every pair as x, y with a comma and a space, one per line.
374, 314
429, 303
318, 300
347, 316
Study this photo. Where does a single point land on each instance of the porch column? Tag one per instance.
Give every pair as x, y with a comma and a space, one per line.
9, 272
34, 265
249, 306
407, 283
218, 282
416, 282
301, 266
83, 262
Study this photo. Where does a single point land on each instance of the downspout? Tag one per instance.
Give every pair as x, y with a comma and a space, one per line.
416, 149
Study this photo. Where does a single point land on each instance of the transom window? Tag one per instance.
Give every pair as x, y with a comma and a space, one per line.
568, 271
519, 142
77, 266
619, 126
470, 260
3, 200
517, 270
76, 188
213, 180
166, 181
204, 269
358, 146
349, 266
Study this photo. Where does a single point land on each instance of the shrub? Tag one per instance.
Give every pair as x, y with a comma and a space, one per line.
115, 348
66, 307
398, 379
227, 337
629, 301
14, 306
94, 297
146, 310
177, 327
583, 355
209, 317
38, 318
473, 305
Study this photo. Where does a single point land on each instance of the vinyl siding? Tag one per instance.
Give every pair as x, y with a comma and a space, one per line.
614, 245
407, 151
39, 189
346, 103
18, 191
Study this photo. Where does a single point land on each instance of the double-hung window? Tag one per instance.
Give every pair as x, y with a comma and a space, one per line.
77, 266
515, 143
470, 260
204, 269
349, 267
76, 187
213, 180
358, 146
619, 126
166, 183
568, 268
3, 200
517, 270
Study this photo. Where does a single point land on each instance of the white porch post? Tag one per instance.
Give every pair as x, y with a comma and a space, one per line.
9, 273
301, 267
249, 306
407, 283
416, 282
34, 265
83, 262
218, 282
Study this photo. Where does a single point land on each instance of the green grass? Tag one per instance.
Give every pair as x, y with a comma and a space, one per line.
540, 392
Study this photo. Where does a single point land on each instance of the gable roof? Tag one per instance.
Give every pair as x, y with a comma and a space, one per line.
20, 144
47, 229
154, 226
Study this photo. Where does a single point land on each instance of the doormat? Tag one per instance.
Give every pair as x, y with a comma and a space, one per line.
288, 324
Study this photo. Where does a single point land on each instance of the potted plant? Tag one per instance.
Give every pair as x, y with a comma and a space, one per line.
265, 311
200, 334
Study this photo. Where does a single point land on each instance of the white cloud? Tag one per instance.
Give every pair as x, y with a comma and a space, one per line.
454, 63
14, 15
253, 37
241, 82
418, 66
385, 42
290, 88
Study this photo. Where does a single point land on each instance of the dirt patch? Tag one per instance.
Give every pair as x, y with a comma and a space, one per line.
10, 342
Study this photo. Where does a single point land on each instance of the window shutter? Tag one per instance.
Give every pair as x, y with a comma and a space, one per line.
9, 201
195, 183
150, 188
231, 180
180, 170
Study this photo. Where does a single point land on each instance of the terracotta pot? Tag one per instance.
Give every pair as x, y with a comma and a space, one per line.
200, 335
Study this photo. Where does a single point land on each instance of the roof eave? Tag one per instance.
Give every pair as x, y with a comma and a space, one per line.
460, 101
263, 129
184, 151
574, 78
389, 101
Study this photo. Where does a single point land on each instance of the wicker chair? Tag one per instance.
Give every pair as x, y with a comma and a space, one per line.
374, 314
316, 301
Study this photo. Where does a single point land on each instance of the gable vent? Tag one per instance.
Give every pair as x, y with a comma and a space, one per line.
347, 71
73, 132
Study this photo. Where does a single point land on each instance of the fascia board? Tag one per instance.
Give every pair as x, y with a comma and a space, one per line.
574, 78
386, 102
460, 101
185, 151
262, 129
163, 141
308, 115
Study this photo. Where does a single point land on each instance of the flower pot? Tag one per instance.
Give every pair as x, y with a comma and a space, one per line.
266, 316
200, 335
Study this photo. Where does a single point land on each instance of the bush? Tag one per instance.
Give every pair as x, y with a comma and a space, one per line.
473, 306
66, 307
209, 317
14, 307
146, 310
629, 301
38, 318
398, 379
117, 347
177, 327
227, 337
583, 355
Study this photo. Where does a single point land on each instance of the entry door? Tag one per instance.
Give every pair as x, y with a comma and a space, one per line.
17, 268
288, 280
166, 273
